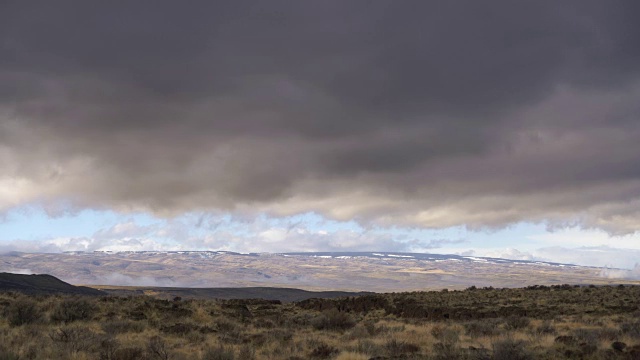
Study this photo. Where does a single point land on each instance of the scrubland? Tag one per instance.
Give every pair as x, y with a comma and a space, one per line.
539, 322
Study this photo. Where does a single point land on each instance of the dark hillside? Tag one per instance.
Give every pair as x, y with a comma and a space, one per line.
41, 284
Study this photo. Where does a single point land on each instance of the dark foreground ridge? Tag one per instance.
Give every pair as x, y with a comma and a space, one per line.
265, 293
41, 284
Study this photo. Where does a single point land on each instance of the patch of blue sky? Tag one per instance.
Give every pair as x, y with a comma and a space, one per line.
33, 223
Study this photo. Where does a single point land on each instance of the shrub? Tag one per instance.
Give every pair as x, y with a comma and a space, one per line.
23, 311
516, 322
587, 335
447, 351
218, 353
371, 327
157, 348
8, 355
5, 354
631, 328
74, 338
324, 351
587, 349
481, 328
123, 326
280, 336
367, 347
445, 335
395, 347
71, 310
609, 334
108, 349
546, 328
129, 353
481, 353
229, 331
180, 329
565, 340
247, 353
264, 323
333, 320
358, 332
510, 349
618, 346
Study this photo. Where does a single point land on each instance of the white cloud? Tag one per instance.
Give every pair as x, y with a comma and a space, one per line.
575, 236
622, 274
601, 256
511, 253
17, 271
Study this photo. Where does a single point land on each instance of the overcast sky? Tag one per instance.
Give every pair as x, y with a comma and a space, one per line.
411, 125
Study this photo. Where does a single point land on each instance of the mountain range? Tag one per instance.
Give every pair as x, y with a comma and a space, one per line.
320, 271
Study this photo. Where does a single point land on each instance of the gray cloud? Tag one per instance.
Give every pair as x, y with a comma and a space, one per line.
412, 113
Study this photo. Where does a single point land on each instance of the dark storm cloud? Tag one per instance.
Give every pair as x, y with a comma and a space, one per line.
421, 113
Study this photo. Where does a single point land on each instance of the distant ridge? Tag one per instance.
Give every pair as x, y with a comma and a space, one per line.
422, 256
377, 271
41, 284
336, 255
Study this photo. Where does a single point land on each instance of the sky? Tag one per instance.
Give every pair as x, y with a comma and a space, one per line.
494, 128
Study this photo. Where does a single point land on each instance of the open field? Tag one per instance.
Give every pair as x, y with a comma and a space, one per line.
558, 322
266, 293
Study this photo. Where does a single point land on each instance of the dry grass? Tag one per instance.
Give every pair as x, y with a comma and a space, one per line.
143, 327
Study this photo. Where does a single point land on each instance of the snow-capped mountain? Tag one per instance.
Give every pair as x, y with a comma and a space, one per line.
360, 271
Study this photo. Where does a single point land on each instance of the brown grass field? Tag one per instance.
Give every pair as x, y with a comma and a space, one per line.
538, 322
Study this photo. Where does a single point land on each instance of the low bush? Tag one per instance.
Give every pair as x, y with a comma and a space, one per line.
546, 328
609, 334
74, 338
333, 320
395, 347
511, 349
247, 353
219, 353
481, 328
180, 329
368, 347
618, 346
324, 351
445, 335
516, 322
23, 311
116, 327
631, 328
358, 332
447, 351
8, 356
71, 310
587, 335
228, 331
108, 349
157, 349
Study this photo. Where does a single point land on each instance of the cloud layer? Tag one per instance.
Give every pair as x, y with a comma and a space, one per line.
411, 114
